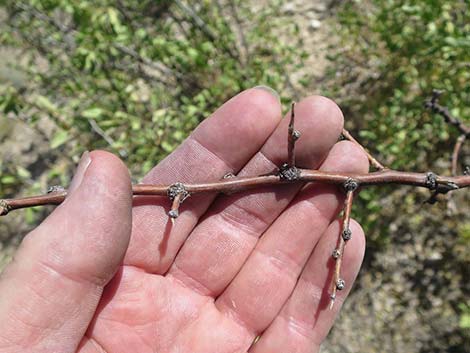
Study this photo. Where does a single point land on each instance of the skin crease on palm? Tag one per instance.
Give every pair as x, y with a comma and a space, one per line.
106, 272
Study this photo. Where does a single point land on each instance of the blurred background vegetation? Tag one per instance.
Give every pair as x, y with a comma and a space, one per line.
135, 77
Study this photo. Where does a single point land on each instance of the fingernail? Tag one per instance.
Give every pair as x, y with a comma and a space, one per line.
83, 165
269, 90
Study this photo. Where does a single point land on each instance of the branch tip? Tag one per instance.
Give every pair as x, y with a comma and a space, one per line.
55, 188
4, 208
229, 175
292, 136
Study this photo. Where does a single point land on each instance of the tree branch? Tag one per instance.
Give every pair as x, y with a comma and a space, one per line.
236, 184
152, 64
434, 106
243, 42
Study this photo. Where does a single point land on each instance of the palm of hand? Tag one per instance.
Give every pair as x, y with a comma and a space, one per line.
256, 263
143, 312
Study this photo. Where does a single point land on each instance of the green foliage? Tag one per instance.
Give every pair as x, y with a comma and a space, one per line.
465, 316
393, 54
135, 77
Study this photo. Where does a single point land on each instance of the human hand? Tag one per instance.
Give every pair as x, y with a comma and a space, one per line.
108, 273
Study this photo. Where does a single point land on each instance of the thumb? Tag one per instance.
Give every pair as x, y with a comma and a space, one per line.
50, 291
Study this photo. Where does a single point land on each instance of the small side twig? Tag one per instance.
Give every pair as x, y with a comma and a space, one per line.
451, 206
174, 211
109, 140
345, 235
163, 69
435, 107
177, 193
245, 55
455, 154
292, 137
68, 33
373, 161
199, 23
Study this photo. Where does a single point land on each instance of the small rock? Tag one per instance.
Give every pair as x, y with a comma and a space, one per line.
314, 25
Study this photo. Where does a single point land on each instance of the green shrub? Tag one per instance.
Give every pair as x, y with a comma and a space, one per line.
134, 77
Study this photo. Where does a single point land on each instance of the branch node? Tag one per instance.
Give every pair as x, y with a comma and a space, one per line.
332, 300
228, 175
288, 172
336, 254
55, 188
173, 213
431, 181
340, 284
350, 184
178, 189
346, 234
177, 193
466, 170
296, 134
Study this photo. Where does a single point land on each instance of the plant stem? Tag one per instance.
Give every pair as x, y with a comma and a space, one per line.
372, 160
232, 185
